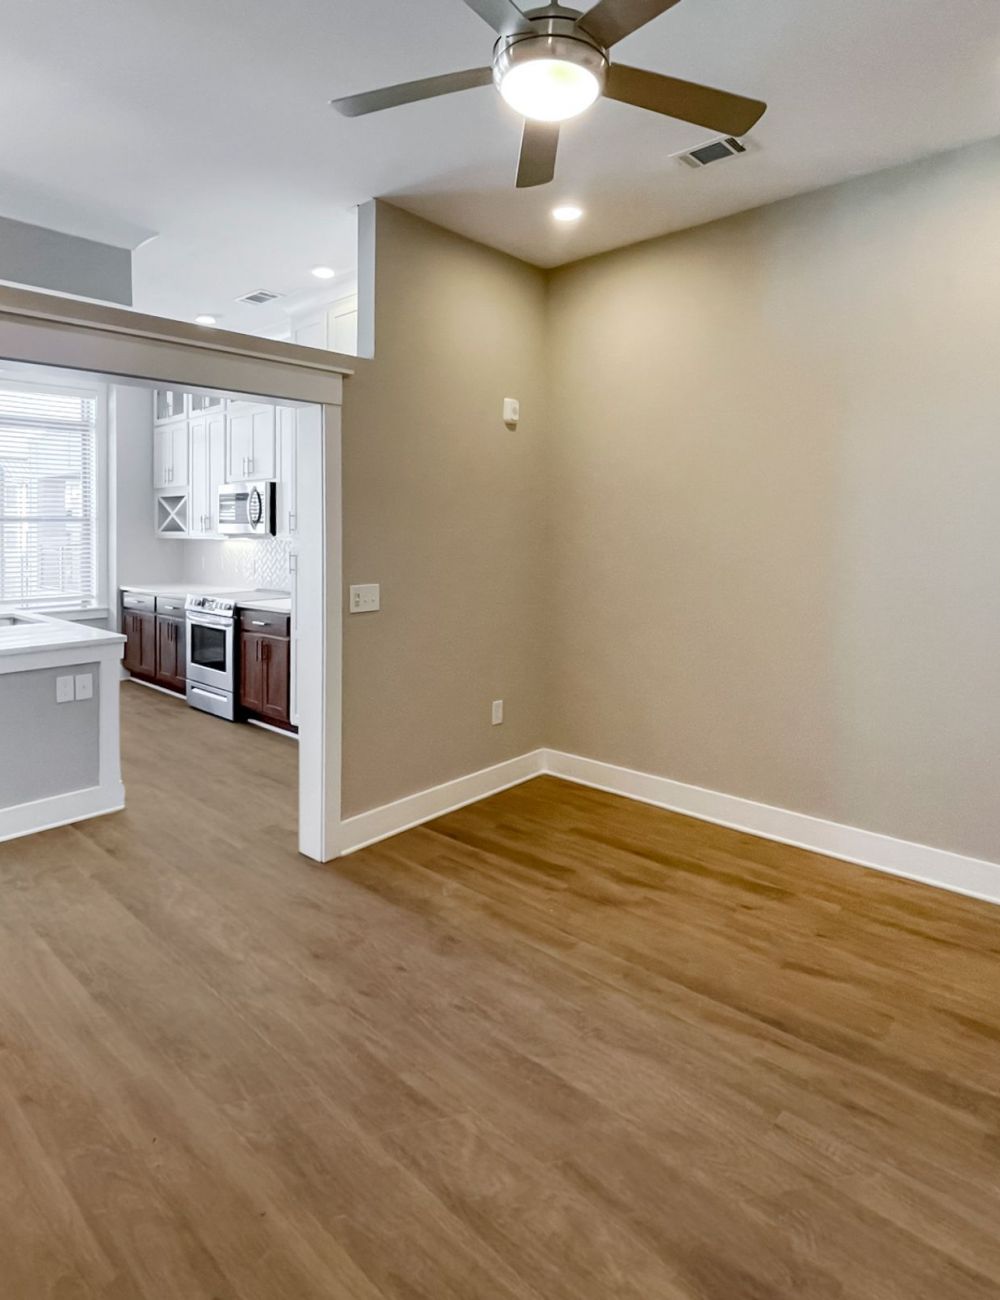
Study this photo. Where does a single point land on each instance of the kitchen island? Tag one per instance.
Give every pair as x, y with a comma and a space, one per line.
59, 735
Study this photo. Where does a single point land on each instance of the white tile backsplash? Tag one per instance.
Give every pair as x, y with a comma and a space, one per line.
240, 562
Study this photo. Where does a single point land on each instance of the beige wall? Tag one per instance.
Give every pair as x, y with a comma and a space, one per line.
443, 506
774, 480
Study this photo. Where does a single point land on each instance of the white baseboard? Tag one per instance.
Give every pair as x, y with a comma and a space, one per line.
275, 731
60, 810
972, 876
391, 818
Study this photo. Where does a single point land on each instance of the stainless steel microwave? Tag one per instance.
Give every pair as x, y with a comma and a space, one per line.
247, 508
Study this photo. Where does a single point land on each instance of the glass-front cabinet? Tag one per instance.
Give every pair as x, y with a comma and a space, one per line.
168, 404
201, 402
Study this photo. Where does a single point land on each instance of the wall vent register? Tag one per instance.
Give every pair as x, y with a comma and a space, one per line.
259, 297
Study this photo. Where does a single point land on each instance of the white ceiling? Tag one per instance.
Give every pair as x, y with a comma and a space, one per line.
208, 125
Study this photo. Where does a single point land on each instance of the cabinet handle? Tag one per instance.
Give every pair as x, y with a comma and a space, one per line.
258, 622
293, 521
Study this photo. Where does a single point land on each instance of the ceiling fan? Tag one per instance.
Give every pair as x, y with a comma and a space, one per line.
551, 64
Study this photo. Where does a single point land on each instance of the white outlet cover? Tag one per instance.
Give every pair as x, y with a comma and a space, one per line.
64, 690
85, 686
496, 712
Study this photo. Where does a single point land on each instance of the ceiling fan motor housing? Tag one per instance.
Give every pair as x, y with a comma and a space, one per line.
553, 35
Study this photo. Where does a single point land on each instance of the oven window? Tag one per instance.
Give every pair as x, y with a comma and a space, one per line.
208, 647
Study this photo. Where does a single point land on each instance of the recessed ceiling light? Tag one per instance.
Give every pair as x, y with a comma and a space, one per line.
324, 272
205, 320
567, 212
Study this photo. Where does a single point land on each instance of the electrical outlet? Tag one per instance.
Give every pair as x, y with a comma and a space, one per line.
85, 686
496, 713
64, 690
365, 598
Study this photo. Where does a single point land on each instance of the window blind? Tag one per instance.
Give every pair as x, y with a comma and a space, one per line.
48, 507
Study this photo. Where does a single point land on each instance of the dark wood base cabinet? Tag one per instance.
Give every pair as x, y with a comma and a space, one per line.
171, 654
155, 649
265, 667
140, 644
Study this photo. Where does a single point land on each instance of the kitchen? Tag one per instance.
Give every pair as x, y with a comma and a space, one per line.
209, 615
150, 538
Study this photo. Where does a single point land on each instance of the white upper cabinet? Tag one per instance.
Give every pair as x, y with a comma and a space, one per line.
250, 449
287, 491
333, 328
170, 455
343, 326
310, 331
208, 463
219, 441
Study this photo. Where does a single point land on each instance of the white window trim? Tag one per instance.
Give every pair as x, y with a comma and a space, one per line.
15, 381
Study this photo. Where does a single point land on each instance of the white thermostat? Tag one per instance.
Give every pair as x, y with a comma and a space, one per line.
511, 410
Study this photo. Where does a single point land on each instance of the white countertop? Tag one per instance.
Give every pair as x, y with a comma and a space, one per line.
175, 589
37, 632
266, 598
273, 605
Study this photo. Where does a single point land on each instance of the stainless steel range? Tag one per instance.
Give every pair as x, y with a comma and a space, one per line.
213, 649
212, 654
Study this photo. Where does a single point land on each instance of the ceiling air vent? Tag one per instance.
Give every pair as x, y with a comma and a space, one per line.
259, 296
712, 152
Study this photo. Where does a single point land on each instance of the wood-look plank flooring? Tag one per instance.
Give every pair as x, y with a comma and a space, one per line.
554, 1046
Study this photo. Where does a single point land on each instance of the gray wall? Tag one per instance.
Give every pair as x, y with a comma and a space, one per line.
774, 486
46, 748
444, 506
49, 259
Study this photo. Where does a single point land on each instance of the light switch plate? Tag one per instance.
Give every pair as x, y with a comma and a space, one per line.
365, 598
85, 686
511, 410
64, 690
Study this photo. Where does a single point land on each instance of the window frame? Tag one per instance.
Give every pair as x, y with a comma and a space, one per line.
16, 382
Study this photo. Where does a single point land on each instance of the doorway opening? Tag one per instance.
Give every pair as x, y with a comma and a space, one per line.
192, 520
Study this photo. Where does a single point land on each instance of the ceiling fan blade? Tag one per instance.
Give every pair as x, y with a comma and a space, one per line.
408, 92
502, 15
718, 110
611, 20
537, 163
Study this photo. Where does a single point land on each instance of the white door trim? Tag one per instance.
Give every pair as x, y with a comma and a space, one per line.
318, 611
68, 340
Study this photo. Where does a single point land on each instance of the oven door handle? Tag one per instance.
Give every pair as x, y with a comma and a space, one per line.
209, 620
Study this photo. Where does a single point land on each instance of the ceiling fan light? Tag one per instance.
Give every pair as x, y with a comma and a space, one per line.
549, 90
